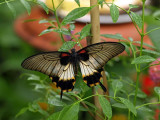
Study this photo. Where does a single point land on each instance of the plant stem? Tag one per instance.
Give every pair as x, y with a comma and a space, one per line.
59, 24
152, 30
147, 104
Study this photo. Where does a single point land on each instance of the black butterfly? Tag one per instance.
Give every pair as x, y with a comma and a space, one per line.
62, 67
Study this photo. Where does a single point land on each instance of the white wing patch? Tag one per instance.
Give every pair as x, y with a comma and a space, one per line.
67, 73
86, 69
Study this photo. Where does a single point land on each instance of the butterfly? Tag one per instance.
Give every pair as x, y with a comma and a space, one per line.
62, 67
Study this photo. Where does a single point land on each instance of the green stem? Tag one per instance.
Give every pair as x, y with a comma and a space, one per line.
151, 31
59, 24
147, 104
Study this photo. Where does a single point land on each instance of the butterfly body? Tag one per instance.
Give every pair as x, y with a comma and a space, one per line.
62, 67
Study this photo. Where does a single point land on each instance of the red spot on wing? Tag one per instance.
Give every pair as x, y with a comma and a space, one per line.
64, 55
82, 51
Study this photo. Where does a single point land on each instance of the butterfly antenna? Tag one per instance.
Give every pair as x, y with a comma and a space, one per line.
61, 95
102, 86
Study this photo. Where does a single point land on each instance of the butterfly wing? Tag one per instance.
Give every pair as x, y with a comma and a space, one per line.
92, 59
57, 65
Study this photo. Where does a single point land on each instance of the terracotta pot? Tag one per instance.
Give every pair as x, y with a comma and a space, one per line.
29, 31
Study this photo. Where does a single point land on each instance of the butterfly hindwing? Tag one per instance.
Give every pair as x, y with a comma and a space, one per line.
57, 65
93, 58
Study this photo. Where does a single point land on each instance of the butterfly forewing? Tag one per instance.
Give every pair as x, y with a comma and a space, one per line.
57, 65
94, 57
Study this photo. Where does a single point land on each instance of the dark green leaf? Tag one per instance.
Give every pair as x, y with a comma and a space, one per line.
133, 6
143, 59
78, 3
129, 105
43, 5
114, 12
119, 105
67, 46
106, 107
137, 19
22, 111
11, 9
46, 31
85, 31
75, 14
27, 6
157, 90
116, 36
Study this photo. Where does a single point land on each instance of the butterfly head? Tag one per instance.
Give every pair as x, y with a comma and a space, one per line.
73, 51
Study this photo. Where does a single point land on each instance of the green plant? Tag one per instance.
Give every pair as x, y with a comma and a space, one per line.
133, 102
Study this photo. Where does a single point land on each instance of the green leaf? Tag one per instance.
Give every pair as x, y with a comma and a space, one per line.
133, 6
157, 90
75, 14
45, 31
106, 107
67, 46
140, 94
22, 111
137, 19
33, 77
116, 36
145, 44
54, 116
119, 105
117, 85
72, 27
129, 105
43, 5
85, 31
54, 101
143, 59
71, 113
78, 3
11, 9
27, 6
114, 12
151, 52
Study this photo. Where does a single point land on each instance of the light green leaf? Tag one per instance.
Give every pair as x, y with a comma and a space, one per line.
137, 19
85, 31
11, 9
33, 77
157, 90
117, 85
106, 107
119, 105
72, 27
133, 6
145, 44
114, 12
75, 14
43, 5
27, 6
78, 3
54, 116
45, 31
129, 105
151, 52
140, 94
116, 36
54, 101
143, 59
67, 46
22, 111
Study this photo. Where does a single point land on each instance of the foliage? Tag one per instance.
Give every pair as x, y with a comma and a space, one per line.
125, 95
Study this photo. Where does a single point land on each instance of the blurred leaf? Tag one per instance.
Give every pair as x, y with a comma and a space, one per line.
63, 31
33, 77
75, 14
30, 20
106, 107
151, 52
43, 5
116, 36
154, 36
85, 31
114, 12
91, 105
45, 31
72, 27
78, 3
67, 46
117, 85
119, 105
22, 111
145, 44
129, 105
54, 101
157, 90
11, 9
54, 116
140, 94
27, 6
137, 19
131, 39
143, 59
133, 6
127, 48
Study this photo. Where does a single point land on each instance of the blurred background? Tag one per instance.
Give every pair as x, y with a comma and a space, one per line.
15, 45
